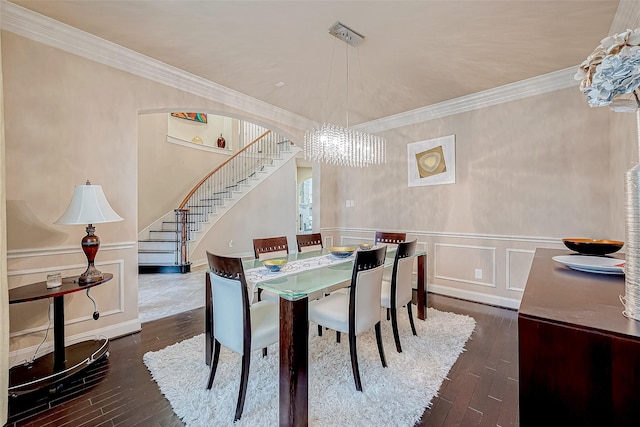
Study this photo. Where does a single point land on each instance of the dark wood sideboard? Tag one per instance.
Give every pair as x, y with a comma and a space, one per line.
579, 357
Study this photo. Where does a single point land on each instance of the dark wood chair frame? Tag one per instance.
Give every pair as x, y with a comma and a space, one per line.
266, 245
389, 237
365, 260
312, 239
231, 268
270, 244
404, 250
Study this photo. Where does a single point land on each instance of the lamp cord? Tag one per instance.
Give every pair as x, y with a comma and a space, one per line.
96, 314
46, 334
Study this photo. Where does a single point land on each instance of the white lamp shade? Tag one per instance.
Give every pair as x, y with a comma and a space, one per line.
88, 206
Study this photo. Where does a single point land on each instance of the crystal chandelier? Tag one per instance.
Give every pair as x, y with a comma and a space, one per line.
338, 145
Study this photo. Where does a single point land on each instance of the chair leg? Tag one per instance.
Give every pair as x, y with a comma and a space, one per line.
214, 363
394, 326
413, 327
264, 352
354, 362
244, 376
337, 336
319, 330
380, 348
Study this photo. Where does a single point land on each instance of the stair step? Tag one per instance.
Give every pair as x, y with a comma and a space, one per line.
164, 268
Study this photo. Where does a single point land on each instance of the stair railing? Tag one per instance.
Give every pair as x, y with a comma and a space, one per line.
220, 183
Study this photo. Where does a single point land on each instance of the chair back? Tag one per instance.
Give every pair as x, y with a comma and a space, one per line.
270, 247
309, 242
401, 289
389, 238
231, 317
366, 285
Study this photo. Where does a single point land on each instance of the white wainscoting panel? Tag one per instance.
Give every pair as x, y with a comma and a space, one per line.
518, 266
117, 278
459, 262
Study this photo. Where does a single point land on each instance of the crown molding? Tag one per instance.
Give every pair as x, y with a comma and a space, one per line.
627, 16
37, 27
511, 92
34, 26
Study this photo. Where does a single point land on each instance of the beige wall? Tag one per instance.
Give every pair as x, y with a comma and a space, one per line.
166, 171
528, 173
267, 211
69, 119
4, 301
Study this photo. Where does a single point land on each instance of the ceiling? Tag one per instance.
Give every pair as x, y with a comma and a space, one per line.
415, 53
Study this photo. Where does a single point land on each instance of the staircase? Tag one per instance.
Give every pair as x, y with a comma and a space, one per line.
163, 247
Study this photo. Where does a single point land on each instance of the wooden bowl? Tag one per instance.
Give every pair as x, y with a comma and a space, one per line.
593, 246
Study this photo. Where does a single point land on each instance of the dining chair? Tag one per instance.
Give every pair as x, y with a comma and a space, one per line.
267, 248
358, 311
389, 238
309, 242
237, 325
398, 292
270, 247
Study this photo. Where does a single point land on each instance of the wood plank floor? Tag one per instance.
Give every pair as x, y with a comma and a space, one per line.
480, 390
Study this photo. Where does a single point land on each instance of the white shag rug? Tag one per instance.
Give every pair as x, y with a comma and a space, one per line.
396, 395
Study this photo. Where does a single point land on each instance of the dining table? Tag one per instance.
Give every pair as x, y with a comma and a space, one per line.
304, 273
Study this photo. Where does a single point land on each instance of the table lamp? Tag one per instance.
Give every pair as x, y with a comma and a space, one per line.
89, 206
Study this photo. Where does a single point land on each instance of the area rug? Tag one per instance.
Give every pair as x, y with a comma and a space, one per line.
396, 395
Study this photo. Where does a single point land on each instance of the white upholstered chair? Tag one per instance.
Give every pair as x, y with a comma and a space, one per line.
398, 291
359, 310
237, 325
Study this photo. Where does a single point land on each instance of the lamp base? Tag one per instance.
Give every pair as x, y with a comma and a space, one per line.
90, 245
90, 275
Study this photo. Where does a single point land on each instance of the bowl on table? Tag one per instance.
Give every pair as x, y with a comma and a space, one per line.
341, 251
365, 246
274, 265
593, 246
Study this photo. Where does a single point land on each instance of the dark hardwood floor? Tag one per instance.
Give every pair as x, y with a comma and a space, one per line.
480, 390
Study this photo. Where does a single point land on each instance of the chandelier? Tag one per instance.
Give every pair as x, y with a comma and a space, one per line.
338, 145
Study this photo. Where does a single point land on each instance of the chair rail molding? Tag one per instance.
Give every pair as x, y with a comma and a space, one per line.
60, 250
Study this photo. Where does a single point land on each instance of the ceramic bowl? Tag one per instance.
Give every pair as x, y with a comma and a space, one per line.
593, 246
274, 264
365, 246
342, 251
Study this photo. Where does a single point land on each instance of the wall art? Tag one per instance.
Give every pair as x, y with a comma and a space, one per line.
432, 161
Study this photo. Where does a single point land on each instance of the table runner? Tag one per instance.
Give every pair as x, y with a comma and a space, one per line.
260, 274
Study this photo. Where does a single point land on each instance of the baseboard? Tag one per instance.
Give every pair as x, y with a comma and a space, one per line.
512, 303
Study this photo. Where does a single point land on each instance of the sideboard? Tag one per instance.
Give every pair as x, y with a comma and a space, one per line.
579, 357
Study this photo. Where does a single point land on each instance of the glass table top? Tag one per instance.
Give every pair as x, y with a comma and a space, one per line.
303, 281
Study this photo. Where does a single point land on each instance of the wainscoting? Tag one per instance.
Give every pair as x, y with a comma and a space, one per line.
32, 322
490, 269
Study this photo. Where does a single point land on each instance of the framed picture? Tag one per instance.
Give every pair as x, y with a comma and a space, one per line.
432, 162
195, 117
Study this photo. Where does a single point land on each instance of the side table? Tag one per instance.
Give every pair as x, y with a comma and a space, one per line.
49, 370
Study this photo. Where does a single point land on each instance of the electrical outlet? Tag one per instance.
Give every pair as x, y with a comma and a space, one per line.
230, 243
478, 273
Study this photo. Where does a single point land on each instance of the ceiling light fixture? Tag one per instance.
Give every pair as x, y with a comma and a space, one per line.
334, 144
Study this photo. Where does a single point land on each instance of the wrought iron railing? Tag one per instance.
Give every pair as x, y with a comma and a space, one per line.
220, 184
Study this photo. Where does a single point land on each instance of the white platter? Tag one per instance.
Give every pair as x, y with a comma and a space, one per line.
592, 264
